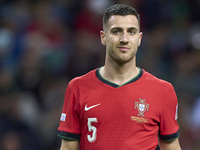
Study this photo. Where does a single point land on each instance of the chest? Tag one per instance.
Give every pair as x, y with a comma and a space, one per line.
131, 105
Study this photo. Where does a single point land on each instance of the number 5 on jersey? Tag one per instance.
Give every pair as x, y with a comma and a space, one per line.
92, 129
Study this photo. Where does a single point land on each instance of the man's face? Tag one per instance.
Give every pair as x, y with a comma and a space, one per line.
121, 38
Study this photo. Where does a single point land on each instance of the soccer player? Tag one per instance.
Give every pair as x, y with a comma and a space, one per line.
119, 106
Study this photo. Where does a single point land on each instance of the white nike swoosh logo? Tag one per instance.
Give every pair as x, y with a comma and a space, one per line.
88, 108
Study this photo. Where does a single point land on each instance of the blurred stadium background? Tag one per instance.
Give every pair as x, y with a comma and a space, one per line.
45, 43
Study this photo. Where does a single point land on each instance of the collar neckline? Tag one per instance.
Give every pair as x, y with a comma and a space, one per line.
138, 76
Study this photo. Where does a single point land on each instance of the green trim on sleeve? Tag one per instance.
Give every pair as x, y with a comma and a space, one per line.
67, 138
170, 137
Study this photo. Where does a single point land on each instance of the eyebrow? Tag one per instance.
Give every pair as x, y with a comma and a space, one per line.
119, 28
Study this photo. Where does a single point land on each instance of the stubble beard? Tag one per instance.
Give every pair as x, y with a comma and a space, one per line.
122, 58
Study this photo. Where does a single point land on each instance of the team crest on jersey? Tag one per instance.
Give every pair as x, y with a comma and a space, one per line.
141, 107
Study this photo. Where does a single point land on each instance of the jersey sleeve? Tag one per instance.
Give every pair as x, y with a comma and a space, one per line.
69, 121
169, 129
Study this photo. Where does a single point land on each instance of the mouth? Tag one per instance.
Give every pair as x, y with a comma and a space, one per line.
123, 48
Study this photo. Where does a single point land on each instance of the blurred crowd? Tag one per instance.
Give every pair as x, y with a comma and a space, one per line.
46, 43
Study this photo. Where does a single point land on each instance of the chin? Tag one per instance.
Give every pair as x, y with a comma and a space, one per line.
121, 58
124, 60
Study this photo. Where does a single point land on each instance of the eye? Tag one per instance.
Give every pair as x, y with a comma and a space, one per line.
132, 31
115, 31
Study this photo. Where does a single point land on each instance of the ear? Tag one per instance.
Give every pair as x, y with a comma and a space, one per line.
140, 38
103, 37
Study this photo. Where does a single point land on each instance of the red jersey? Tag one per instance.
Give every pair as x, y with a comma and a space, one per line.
105, 116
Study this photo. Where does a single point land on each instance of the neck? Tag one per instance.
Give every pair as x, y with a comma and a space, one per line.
119, 73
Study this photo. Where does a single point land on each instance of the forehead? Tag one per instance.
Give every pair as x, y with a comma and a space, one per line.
127, 21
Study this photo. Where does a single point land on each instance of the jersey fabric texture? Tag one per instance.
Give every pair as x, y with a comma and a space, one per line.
105, 116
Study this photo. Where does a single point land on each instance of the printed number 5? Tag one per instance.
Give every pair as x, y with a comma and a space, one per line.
92, 128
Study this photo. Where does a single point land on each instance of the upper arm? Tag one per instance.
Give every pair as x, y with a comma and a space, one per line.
69, 145
168, 127
170, 145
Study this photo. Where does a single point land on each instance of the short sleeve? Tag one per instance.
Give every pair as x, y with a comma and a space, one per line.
169, 129
69, 122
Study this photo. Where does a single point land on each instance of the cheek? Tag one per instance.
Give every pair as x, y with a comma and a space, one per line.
136, 42
110, 42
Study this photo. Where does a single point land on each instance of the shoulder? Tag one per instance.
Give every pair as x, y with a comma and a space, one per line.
153, 81
84, 79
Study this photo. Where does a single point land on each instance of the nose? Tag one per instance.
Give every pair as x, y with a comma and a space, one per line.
124, 38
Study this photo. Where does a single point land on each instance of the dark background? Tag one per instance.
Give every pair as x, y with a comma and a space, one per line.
46, 43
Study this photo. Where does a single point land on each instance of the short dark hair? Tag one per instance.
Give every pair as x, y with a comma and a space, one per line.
119, 9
